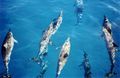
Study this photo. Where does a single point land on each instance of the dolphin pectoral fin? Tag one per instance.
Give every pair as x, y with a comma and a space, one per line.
5, 45
43, 32
50, 42
81, 64
57, 48
15, 41
115, 45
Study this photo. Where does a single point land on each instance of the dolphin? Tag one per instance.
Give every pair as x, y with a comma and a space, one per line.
43, 69
87, 66
7, 47
55, 24
53, 27
112, 49
79, 9
63, 56
45, 41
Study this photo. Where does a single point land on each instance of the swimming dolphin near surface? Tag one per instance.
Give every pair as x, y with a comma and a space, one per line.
63, 56
112, 48
49, 32
87, 66
107, 24
79, 10
45, 41
6, 50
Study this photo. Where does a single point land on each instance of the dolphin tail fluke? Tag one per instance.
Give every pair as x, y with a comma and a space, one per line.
6, 69
110, 74
5, 74
36, 59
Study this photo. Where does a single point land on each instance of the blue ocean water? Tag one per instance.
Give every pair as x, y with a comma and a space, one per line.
29, 18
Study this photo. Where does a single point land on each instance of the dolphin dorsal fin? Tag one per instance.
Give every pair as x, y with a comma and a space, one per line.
15, 41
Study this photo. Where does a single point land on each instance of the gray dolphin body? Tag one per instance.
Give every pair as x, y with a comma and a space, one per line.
7, 48
87, 66
112, 48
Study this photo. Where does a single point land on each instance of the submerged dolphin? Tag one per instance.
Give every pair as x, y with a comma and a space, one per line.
87, 66
63, 56
55, 24
43, 69
112, 48
7, 48
79, 10
53, 27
